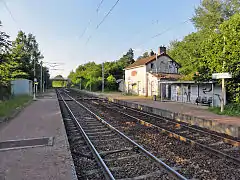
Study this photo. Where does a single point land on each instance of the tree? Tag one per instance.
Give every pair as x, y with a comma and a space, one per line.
127, 58
211, 13
58, 82
145, 55
204, 53
91, 73
188, 53
229, 61
111, 83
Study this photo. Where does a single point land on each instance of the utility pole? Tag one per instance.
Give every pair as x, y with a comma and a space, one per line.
80, 84
35, 79
41, 83
223, 80
103, 77
44, 81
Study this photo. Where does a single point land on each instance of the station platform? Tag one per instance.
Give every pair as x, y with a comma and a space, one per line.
43, 150
190, 113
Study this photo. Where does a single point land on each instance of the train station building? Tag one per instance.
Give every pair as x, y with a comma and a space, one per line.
159, 75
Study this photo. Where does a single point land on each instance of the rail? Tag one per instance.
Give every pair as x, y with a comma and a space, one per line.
182, 138
101, 163
157, 160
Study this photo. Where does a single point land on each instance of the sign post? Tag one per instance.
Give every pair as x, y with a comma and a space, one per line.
34, 90
222, 76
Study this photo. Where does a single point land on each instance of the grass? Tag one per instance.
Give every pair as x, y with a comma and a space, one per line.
230, 110
7, 107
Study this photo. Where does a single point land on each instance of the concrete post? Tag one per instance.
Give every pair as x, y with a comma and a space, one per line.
41, 78
212, 94
223, 95
102, 77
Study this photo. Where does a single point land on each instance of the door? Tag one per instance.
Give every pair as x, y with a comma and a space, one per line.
139, 87
189, 93
152, 88
169, 92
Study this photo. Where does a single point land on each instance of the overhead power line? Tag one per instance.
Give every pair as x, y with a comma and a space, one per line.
90, 21
99, 5
9, 11
168, 29
164, 31
104, 18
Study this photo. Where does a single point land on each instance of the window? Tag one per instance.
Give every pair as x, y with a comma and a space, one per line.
151, 65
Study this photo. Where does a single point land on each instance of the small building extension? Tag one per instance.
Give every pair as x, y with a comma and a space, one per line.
159, 75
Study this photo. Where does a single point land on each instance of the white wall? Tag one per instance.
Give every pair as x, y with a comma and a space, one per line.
163, 64
205, 90
139, 79
21, 86
121, 86
153, 88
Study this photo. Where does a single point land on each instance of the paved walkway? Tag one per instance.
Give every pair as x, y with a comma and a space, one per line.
41, 119
183, 108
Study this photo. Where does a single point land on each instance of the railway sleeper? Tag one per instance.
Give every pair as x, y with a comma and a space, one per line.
97, 136
65, 100
88, 156
217, 143
95, 127
102, 140
122, 158
101, 132
93, 124
145, 176
232, 149
100, 129
105, 153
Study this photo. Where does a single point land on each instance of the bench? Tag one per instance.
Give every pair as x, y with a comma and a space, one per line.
204, 100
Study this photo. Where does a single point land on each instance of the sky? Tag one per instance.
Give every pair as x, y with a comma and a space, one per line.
59, 27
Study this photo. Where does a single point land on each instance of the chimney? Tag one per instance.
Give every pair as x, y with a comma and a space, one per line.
162, 50
151, 53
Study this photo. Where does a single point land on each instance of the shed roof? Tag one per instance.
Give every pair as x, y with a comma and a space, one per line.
168, 76
144, 61
187, 82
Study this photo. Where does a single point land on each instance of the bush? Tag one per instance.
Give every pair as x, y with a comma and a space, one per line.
232, 109
111, 84
7, 107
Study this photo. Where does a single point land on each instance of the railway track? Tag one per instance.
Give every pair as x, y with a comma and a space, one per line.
117, 156
221, 146
228, 147
226, 164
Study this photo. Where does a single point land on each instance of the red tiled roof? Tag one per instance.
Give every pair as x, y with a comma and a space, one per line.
168, 76
147, 60
141, 62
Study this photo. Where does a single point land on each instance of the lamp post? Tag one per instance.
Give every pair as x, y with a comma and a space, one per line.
223, 69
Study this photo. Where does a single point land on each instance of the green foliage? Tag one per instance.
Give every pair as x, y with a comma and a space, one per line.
211, 13
205, 52
17, 58
58, 82
111, 83
90, 74
230, 109
145, 55
7, 107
